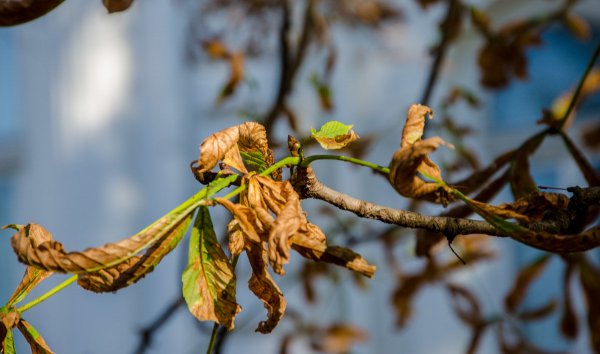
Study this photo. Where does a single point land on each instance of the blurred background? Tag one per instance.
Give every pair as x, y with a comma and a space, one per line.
101, 114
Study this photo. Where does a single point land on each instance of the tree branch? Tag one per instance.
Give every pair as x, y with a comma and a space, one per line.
308, 186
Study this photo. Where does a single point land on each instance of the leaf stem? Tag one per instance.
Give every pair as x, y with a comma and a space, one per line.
308, 160
213, 337
48, 294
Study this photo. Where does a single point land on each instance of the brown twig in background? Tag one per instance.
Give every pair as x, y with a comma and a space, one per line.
440, 52
289, 63
147, 333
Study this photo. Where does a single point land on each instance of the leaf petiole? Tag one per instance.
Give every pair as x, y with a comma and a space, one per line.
48, 294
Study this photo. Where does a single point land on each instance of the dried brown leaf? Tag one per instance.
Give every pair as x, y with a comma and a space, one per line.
310, 271
33, 276
521, 182
263, 286
546, 241
247, 137
50, 255
129, 272
412, 159
247, 221
524, 279
117, 5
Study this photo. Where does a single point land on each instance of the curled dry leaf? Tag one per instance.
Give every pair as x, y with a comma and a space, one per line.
33, 276
50, 255
412, 159
227, 144
209, 281
334, 135
263, 286
129, 272
465, 305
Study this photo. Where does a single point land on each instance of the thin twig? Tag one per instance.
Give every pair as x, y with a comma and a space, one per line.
289, 65
147, 333
440, 53
577, 93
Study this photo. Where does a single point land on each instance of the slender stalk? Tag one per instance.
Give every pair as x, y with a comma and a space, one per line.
308, 160
213, 337
48, 294
577, 93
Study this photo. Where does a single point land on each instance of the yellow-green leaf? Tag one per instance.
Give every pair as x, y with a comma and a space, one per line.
8, 342
334, 135
209, 280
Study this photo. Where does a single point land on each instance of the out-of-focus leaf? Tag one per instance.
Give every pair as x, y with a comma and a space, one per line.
236, 75
338, 338
263, 286
209, 283
247, 137
560, 243
590, 174
526, 276
215, 49
35, 340
538, 312
559, 108
412, 159
310, 271
569, 326
465, 305
521, 182
116, 5
323, 91
14, 13
334, 135
578, 26
589, 275
481, 21
479, 178
590, 136
129, 272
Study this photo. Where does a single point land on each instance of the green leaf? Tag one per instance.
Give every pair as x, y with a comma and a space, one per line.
334, 135
255, 160
8, 342
209, 280
35, 340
